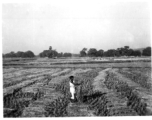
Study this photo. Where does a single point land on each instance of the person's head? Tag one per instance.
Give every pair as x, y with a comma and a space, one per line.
71, 78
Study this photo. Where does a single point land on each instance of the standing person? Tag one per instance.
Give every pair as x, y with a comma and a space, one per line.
73, 89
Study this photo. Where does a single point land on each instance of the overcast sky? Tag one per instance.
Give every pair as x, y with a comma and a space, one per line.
71, 26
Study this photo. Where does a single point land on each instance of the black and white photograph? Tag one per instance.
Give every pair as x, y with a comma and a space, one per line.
76, 58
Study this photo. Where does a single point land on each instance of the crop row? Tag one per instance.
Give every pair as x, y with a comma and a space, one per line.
45, 79
95, 99
24, 72
98, 101
61, 73
15, 103
10, 70
55, 108
58, 107
20, 80
16, 73
138, 78
39, 73
133, 100
21, 85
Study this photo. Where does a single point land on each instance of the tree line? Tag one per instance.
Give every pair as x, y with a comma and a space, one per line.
123, 51
53, 53
92, 52
50, 53
27, 54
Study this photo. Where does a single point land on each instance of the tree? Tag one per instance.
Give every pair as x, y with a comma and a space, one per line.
25, 55
49, 53
84, 49
147, 51
92, 52
136, 53
50, 48
53, 54
41, 55
130, 52
67, 54
126, 47
117, 53
30, 54
19, 54
100, 53
60, 54
12, 54
44, 53
110, 53
122, 51
83, 52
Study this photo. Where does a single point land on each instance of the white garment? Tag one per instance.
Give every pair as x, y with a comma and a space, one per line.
72, 90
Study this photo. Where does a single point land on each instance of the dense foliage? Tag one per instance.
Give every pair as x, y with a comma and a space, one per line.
123, 51
92, 52
53, 53
27, 54
147, 51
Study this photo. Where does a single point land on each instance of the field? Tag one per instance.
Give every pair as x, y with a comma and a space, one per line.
40, 88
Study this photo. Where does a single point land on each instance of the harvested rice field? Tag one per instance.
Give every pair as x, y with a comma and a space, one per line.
44, 92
